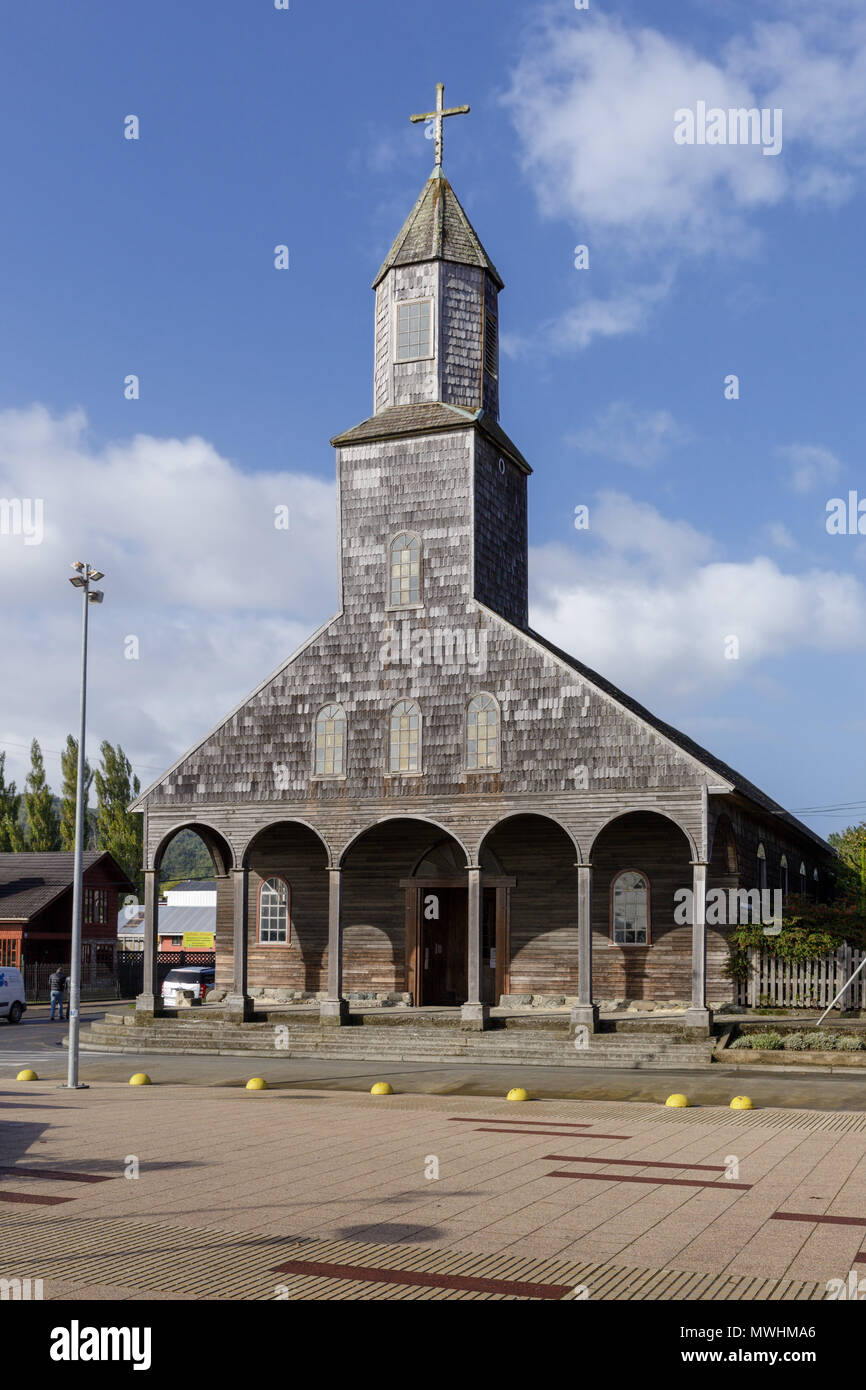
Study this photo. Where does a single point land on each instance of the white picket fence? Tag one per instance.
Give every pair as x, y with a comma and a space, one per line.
804, 984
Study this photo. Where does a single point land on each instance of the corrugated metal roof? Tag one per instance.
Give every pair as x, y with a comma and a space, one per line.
175, 919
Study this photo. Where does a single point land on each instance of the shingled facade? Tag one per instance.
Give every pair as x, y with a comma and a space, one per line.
428, 798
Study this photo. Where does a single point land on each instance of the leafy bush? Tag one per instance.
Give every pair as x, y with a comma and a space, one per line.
767, 1042
800, 1042
820, 1042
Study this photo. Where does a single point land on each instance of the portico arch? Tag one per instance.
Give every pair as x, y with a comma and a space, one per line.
392, 872
537, 948
222, 857
285, 888
655, 964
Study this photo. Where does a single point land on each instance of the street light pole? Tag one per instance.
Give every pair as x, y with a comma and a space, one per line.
85, 575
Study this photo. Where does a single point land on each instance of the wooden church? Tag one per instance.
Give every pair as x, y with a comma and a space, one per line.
428, 799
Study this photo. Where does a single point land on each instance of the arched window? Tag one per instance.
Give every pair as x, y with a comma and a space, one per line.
405, 750
629, 896
803, 879
762, 868
482, 733
331, 741
274, 912
405, 570
783, 876
816, 879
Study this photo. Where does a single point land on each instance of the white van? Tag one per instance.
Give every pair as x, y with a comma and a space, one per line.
12, 1003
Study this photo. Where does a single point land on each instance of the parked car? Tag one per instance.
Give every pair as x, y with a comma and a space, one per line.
197, 978
12, 1003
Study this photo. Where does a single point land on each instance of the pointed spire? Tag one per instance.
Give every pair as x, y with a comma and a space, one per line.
437, 229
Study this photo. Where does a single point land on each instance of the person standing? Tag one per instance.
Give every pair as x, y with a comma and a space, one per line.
57, 984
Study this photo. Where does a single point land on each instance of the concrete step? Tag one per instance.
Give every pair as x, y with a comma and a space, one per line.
541, 1047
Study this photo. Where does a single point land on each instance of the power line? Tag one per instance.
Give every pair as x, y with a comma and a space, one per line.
58, 753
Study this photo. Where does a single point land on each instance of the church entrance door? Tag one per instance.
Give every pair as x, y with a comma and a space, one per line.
441, 934
443, 945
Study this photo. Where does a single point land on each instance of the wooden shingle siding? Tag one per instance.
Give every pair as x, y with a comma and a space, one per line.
432, 460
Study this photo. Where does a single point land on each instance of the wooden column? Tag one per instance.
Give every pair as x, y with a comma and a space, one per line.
474, 1014
585, 1015
148, 1001
239, 1005
698, 1015
335, 1008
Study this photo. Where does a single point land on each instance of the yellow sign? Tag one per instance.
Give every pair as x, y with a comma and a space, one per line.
198, 941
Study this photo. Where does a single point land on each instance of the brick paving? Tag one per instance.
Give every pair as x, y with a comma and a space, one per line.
303, 1194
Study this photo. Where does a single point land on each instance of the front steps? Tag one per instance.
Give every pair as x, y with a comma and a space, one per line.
548, 1045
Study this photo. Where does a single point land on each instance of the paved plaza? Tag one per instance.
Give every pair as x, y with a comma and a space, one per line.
305, 1193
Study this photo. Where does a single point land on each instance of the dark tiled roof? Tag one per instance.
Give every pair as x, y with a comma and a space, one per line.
437, 229
195, 885
432, 417
688, 745
29, 882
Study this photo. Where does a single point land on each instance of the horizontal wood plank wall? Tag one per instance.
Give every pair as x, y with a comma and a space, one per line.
295, 854
661, 970
543, 905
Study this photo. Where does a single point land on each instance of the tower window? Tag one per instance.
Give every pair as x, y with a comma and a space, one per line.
491, 344
414, 330
405, 751
482, 733
405, 585
331, 741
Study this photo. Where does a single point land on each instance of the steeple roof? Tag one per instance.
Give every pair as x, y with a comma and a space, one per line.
437, 229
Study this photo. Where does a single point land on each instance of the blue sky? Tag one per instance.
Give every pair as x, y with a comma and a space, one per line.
261, 127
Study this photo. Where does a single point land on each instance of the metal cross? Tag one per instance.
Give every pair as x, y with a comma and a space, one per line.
438, 116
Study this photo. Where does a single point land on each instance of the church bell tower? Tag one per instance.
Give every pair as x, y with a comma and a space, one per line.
432, 462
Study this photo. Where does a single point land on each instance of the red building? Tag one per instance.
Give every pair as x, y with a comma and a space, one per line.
36, 907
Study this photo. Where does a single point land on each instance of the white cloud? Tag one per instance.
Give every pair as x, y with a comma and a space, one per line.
809, 465
195, 569
626, 435
779, 536
649, 603
593, 98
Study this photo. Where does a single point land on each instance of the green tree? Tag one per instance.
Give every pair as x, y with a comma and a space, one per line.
11, 837
850, 845
69, 768
43, 829
117, 830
